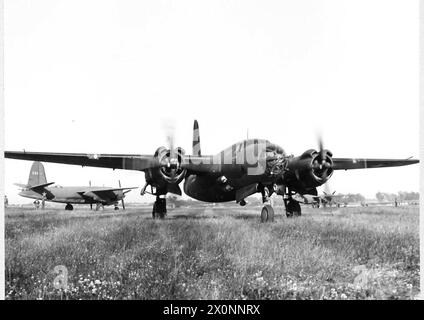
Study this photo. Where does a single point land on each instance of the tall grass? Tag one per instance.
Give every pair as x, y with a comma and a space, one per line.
348, 253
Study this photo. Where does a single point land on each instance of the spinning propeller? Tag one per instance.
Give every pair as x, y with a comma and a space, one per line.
171, 162
322, 164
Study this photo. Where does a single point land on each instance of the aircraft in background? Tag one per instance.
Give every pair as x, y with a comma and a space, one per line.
327, 198
244, 168
323, 200
38, 188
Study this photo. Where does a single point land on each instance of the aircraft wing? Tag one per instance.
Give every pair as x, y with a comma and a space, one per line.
351, 163
206, 164
103, 194
112, 189
114, 161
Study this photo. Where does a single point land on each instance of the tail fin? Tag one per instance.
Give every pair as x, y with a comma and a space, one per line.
196, 139
37, 175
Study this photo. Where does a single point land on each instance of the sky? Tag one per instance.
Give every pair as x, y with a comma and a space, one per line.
109, 76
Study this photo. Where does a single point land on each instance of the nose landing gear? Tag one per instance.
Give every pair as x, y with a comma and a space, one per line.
267, 213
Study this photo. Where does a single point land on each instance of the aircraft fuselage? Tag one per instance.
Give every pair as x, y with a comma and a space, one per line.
258, 167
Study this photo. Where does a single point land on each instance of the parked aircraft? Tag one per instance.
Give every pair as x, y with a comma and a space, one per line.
244, 168
326, 198
322, 200
38, 188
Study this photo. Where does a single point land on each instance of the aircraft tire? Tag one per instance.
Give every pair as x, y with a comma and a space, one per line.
69, 207
158, 215
155, 214
159, 210
267, 214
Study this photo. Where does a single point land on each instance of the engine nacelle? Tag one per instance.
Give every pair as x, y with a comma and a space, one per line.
312, 168
171, 171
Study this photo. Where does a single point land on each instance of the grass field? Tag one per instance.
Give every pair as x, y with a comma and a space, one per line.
213, 253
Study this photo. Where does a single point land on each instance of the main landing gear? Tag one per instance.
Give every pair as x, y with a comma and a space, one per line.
69, 207
159, 207
292, 206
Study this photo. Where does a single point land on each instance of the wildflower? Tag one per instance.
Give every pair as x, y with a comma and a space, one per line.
343, 296
97, 282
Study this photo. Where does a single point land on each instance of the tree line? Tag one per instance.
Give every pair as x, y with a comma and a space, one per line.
400, 196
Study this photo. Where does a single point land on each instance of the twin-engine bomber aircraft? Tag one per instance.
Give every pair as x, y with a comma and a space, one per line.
245, 168
38, 188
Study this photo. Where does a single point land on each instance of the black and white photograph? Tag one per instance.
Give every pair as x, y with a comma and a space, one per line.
227, 150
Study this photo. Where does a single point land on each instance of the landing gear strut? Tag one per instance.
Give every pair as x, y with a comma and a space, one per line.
159, 208
267, 213
69, 207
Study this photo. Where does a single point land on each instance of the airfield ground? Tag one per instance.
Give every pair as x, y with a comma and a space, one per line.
213, 253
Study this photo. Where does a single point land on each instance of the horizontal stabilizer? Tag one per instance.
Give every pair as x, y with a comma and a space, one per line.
40, 186
28, 187
21, 185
